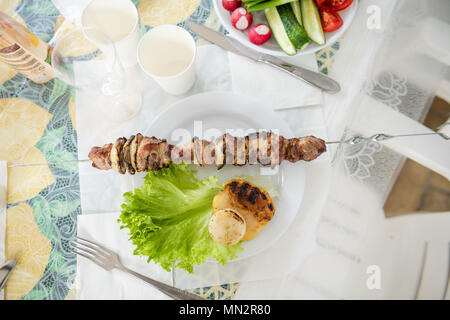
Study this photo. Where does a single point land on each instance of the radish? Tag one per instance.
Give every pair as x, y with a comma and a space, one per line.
259, 34
241, 19
231, 5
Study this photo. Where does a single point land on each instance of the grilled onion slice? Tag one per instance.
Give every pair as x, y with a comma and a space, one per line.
134, 145
116, 156
227, 227
126, 155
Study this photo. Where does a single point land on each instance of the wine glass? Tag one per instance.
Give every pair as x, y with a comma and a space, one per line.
86, 59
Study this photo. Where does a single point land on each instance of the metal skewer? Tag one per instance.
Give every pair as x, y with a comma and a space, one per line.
354, 140
45, 163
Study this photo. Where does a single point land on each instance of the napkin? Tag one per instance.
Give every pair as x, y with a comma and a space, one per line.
93, 282
273, 86
3, 176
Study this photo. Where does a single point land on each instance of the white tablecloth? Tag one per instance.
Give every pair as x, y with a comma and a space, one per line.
342, 264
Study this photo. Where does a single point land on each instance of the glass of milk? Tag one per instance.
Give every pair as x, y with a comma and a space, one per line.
167, 53
119, 19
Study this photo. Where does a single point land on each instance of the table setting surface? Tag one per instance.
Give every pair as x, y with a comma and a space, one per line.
48, 205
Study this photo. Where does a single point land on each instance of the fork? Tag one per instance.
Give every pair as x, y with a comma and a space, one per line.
109, 260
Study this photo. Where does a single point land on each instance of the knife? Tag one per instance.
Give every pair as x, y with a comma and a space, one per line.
5, 271
313, 78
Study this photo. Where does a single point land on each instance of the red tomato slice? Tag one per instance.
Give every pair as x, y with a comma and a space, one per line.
339, 5
320, 2
331, 20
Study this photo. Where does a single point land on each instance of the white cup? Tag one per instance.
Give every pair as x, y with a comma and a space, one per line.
167, 53
119, 19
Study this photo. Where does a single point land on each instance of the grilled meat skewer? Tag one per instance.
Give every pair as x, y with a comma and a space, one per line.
139, 153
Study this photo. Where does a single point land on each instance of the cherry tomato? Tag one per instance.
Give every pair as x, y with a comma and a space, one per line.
320, 2
339, 5
331, 20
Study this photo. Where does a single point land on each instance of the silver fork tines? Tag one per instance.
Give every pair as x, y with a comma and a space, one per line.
108, 260
98, 254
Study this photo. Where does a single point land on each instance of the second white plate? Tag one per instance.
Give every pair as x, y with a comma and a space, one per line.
271, 47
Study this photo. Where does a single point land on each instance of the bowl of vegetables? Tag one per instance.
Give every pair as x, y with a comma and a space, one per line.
286, 27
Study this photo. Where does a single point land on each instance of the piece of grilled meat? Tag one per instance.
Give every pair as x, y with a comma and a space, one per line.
139, 153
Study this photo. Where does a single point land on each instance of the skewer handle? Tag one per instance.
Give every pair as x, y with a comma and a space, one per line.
382, 137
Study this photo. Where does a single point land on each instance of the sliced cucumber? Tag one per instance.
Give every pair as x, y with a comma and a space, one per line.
275, 23
294, 30
253, 2
311, 21
257, 6
296, 8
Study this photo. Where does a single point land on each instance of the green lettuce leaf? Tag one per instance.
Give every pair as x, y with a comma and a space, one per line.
168, 219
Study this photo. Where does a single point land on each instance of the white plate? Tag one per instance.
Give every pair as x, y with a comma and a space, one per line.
227, 110
271, 47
